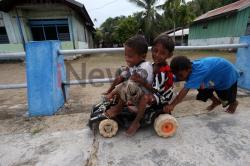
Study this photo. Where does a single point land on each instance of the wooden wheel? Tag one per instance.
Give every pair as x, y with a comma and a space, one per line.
165, 125
108, 128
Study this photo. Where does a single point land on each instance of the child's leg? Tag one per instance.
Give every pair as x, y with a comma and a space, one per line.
232, 107
122, 74
115, 110
145, 99
117, 81
215, 103
205, 94
232, 99
228, 97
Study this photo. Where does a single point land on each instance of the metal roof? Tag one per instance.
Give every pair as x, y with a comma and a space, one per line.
231, 8
7, 5
172, 30
179, 32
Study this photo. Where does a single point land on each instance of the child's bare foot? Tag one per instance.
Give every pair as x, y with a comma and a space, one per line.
232, 107
213, 105
132, 129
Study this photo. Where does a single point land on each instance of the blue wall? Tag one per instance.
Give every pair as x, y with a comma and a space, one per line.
243, 63
45, 73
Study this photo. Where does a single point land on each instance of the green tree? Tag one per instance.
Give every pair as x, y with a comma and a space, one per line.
161, 25
98, 36
149, 16
176, 13
117, 30
127, 28
185, 17
171, 11
108, 30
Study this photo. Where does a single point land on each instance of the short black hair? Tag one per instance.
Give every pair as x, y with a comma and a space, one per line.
138, 43
166, 41
180, 63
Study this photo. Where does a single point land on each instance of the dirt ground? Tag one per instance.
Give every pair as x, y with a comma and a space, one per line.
14, 121
13, 105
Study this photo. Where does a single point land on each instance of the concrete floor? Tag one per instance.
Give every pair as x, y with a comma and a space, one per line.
213, 139
216, 138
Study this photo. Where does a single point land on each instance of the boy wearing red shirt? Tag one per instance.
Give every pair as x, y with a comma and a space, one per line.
162, 87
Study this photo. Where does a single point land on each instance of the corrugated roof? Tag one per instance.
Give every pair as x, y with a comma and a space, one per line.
7, 5
231, 8
179, 32
172, 30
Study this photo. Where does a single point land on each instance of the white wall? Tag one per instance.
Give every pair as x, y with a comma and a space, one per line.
212, 41
81, 32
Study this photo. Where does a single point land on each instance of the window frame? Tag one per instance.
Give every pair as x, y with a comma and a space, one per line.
56, 23
4, 38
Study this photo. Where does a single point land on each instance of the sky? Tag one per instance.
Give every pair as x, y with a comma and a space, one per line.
103, 9
100, 10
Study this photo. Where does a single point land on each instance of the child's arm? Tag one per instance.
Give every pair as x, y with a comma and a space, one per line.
110, 95
182, 94
123, 74
117, 81
142, 82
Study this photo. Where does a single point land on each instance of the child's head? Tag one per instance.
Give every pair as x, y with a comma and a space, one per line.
163, 47
136, 49
181, 66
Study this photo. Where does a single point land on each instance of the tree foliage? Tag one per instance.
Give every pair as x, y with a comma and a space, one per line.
174, 13
148, 17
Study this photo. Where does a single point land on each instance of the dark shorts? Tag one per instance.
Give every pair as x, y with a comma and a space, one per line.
226, 96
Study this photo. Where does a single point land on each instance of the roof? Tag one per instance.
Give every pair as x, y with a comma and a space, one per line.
179, 32
7, 5
172, 30
231, 8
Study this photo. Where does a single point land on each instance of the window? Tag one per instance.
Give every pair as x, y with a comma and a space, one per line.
37, 33
50, 30
248, 27
3, 36
50, 33
63, 33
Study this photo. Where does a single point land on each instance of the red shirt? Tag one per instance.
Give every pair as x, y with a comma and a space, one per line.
163, 79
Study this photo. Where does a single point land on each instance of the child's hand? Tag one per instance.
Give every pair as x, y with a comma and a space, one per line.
136, 78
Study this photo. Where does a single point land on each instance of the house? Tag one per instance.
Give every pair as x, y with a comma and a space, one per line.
22, 21
223, 25
180, 36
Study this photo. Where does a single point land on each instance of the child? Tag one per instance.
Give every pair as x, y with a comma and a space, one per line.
207, 75
135, 53
136, 49
162, 87
129, 91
